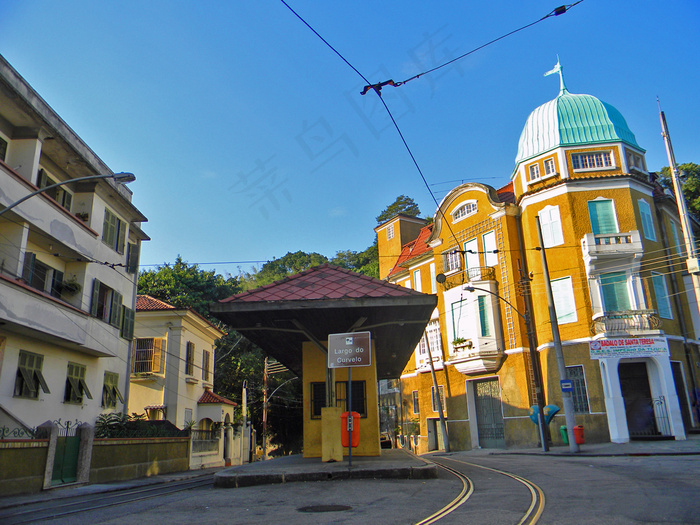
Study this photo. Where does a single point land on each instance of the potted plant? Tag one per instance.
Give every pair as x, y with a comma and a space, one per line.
461, 342
70, 286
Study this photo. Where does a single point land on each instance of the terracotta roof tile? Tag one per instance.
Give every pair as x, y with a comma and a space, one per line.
507, 193
209, 397
322, 282
413, 249
146, 302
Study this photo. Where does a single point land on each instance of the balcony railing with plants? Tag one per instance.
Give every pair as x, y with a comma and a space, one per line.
631, 321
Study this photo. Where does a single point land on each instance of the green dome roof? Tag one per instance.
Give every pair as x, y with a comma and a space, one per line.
570, 120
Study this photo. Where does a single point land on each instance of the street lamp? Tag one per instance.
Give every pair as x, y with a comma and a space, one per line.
121, 178
534, 359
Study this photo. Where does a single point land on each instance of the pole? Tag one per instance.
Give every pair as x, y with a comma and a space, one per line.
350, 418
244, 407
556, 339
264, 421
443, 425
690, 248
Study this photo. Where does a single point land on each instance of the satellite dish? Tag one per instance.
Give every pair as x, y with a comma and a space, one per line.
440, 278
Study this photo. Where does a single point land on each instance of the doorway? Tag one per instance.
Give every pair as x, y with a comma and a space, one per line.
489, 413
647, 417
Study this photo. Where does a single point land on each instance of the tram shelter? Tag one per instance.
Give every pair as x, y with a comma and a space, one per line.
291, 319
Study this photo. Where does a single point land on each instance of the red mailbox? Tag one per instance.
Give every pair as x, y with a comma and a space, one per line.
350, 425
578, 435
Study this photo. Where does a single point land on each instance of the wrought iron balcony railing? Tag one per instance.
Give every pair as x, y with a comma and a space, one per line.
626, 322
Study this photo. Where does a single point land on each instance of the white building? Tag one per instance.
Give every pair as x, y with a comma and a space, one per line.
68, 266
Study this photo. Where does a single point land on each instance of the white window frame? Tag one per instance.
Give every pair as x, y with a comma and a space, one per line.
451, 260
417, 285
564, 300
663, 304
433, 399
471, 254
534, 172
433, 282
550, 222
593, 161
490, 249
550, 167
389, 232
465, 210
647, 219
415, 404
433, 331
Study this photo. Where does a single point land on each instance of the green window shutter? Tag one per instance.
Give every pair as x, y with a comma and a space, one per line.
602, 217
109, 228
647, 221
127, 331
121, 236
115, 312
95, 297
132, 258
663, 306
616, 297
484, 317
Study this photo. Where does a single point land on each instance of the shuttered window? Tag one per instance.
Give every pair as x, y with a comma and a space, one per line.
602, 216
76, 387
550, 223
110, 390
647, 220
29, 377
616, 297
663, 305
564, 302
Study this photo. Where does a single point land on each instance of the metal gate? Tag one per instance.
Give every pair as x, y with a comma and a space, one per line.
65, 463
489, 414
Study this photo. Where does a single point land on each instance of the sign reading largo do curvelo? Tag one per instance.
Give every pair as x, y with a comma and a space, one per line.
352, 349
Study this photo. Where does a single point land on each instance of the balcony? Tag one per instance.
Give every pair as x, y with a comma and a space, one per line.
469, 360
602, 247
631, 322
470, 275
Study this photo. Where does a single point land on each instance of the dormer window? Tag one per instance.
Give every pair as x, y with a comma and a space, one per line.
534, 172
464, 210
592, 161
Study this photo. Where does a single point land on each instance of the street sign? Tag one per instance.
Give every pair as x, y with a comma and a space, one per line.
349, 350
567, 385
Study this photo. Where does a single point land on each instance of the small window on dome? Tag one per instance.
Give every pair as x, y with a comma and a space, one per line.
464, 210
549, 167
592, 161
534, 172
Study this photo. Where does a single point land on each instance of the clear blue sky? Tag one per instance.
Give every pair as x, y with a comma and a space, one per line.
249, 137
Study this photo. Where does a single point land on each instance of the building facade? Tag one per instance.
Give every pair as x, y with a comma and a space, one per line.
68, 265
625, 307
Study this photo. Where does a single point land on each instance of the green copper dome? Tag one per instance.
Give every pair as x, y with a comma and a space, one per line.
571, 120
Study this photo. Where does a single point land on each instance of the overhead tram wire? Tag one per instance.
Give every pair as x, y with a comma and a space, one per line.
378, 87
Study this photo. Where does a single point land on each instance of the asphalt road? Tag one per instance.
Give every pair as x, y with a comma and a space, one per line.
610, 490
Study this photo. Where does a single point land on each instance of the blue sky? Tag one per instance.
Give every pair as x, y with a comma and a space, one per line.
249, 137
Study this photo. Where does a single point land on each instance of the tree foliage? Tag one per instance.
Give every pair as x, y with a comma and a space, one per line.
690, 183
402, 204
276, 269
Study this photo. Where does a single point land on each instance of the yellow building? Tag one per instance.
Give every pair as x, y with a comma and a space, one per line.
626, 311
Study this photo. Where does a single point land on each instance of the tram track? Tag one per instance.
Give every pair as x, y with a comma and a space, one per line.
531, 515
53, 509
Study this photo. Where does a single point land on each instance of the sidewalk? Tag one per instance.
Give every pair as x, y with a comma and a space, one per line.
392, 464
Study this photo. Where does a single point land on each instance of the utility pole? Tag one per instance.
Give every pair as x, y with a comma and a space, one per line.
443, 425
556, 339
692, 262
264, 421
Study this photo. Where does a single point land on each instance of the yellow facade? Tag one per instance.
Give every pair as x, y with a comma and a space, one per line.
315, 365
616, 273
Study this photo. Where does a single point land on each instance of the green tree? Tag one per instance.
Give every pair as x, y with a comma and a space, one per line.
402, 204
365, 262
276, 269
690, 183
236, 359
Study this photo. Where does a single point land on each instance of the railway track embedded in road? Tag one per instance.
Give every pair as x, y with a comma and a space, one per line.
531, 515
52, 509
